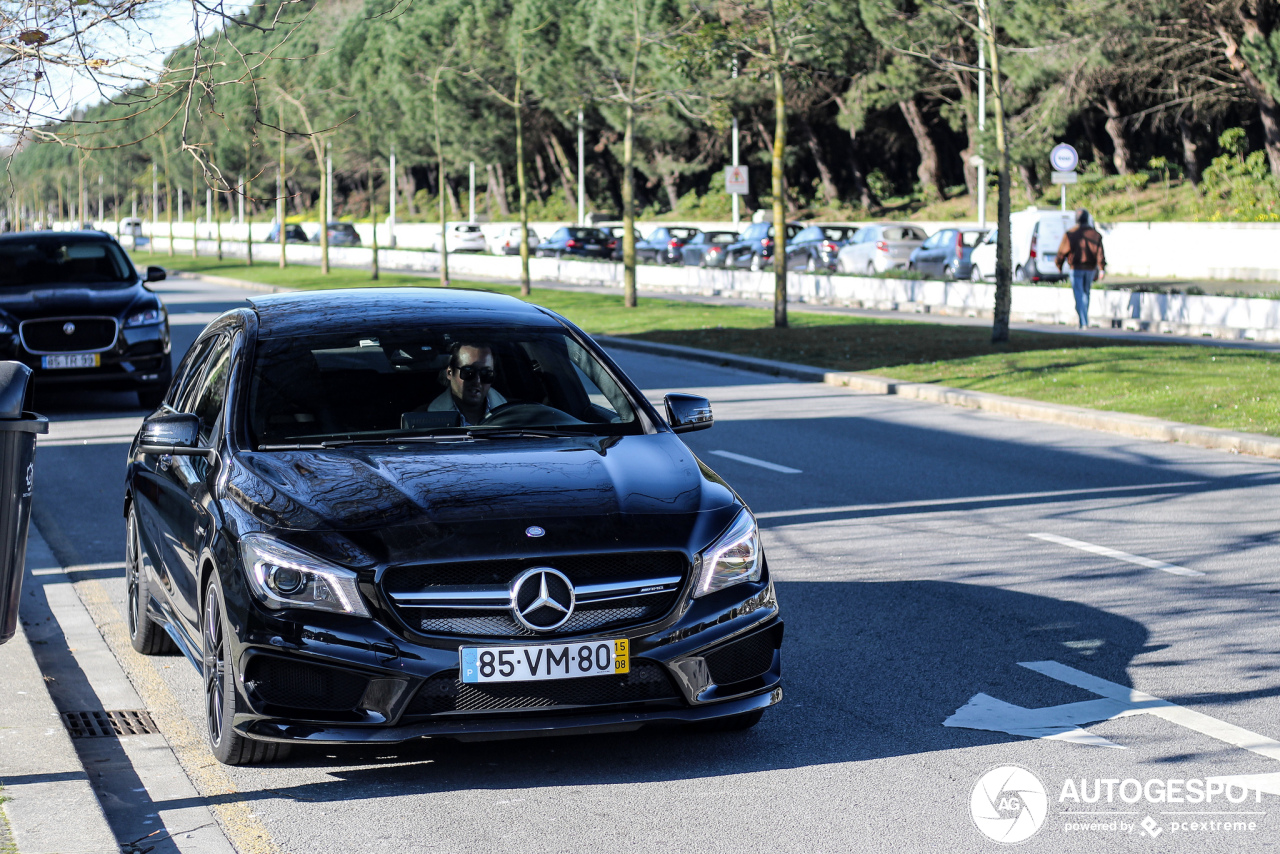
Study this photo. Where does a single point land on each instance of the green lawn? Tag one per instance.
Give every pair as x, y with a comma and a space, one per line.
1193, 383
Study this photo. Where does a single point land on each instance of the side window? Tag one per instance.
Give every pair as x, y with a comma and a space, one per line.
212, 392
188, 372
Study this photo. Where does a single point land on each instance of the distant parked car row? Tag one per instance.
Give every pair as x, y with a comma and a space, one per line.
959, 252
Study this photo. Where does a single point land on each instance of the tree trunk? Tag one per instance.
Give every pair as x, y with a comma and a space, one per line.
778, 176
829, 191
671, 183
567, 177
541, 189
453, 196
930, 169
629, 206
498, 188
1004, 245
522, 185
1099, 156
1189, 160
861, 190
1114, 126
1268, 106
410, 192
1030, 184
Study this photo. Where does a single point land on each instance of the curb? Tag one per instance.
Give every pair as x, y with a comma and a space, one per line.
51, 805
1135, 426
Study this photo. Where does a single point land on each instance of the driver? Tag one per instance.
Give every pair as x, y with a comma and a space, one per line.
470, 374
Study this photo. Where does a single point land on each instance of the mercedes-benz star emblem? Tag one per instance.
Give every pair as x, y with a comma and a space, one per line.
542, 599
68, 328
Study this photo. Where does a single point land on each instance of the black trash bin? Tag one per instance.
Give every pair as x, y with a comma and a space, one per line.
18, 429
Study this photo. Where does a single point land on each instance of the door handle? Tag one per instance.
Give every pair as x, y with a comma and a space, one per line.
165, 461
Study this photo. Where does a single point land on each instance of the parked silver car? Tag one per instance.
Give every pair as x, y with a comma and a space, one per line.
880, 247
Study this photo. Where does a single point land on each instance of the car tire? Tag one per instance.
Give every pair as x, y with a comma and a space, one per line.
222, 700
1021, 274
812, 266
734, 723
756, 263
145, 635
975, 274
871, 269
949, 273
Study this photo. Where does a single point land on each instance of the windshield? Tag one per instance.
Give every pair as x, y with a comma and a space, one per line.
385, 384
55, 261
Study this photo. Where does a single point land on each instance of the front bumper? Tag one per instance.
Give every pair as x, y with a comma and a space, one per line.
391, 682
139, 359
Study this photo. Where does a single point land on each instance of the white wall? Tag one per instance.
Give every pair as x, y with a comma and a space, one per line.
1182, 250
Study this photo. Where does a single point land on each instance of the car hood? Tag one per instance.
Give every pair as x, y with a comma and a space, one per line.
33, 301
400, 503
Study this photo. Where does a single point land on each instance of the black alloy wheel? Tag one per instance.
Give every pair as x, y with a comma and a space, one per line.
145, 636
222, 700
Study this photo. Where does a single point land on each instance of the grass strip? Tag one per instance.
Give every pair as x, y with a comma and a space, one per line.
1192, 383
7, 845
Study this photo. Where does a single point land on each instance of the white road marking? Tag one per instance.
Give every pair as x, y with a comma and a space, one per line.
1149, 563
1062, 723
752, 461
972, 499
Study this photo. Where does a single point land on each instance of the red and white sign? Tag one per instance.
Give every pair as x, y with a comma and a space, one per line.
735, 180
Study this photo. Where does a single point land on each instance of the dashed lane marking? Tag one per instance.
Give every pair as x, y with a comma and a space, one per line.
1149, 563
752, 461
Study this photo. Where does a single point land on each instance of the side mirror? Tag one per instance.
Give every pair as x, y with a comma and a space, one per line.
172, 434
156, 274
688, 412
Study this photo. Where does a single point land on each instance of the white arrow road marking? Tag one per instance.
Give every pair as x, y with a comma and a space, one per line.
1062, 723
752, 461
1149, 563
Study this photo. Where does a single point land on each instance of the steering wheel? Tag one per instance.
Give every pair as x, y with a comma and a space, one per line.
524, 413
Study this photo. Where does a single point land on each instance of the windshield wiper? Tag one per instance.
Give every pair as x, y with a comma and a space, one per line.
525, 433
386, 440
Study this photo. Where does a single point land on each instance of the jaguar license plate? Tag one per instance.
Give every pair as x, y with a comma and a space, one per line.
70, 360
544, 661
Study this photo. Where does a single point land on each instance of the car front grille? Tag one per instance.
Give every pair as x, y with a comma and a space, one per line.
472, 599
88, 334
303, 686
647, 682
743, 659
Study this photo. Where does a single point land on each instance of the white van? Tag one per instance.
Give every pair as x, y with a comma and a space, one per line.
1036, 234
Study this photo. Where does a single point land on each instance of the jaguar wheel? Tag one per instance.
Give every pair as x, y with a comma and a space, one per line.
222, 700
146, 636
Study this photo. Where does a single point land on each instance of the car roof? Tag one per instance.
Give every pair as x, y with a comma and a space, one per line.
59, 236
304, 313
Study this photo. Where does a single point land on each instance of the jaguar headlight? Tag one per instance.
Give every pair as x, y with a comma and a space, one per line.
150, 317
733, 558
284, 577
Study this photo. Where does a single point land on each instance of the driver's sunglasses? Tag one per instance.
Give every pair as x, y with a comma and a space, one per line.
470, 372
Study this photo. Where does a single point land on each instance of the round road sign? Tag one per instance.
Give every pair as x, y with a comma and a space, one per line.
1064, 158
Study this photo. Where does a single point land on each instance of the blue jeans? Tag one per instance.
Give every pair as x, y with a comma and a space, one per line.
1081, 282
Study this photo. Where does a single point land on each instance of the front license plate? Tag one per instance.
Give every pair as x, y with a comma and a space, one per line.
71, 360
546, 661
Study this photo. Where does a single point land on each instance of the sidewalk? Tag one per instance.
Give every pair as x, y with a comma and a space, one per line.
50, 806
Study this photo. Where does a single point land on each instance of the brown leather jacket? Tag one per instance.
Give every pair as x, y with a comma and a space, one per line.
1082, 248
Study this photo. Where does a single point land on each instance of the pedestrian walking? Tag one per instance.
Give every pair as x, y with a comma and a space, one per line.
1081, 248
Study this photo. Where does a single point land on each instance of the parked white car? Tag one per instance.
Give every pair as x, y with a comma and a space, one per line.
1035, 235
879, 247
506, 240
462, 237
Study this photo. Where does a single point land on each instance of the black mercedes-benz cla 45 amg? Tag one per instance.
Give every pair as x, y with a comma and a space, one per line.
385, 514
75, 310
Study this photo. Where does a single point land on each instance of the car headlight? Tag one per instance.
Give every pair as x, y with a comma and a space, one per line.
733, 558
5, 329
144, 318
284, 577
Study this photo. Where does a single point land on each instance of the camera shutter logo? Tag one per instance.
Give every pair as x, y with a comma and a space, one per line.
1009, 804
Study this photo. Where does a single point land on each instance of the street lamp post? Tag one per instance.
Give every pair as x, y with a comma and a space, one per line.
471, 195
982, 124
582, 169
391, 202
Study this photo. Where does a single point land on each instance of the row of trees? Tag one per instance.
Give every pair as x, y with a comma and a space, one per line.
846, 102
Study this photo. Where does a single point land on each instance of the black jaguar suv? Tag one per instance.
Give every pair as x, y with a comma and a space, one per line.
75, 310
384, 514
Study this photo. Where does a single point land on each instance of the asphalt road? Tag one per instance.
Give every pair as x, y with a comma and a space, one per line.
900, 535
